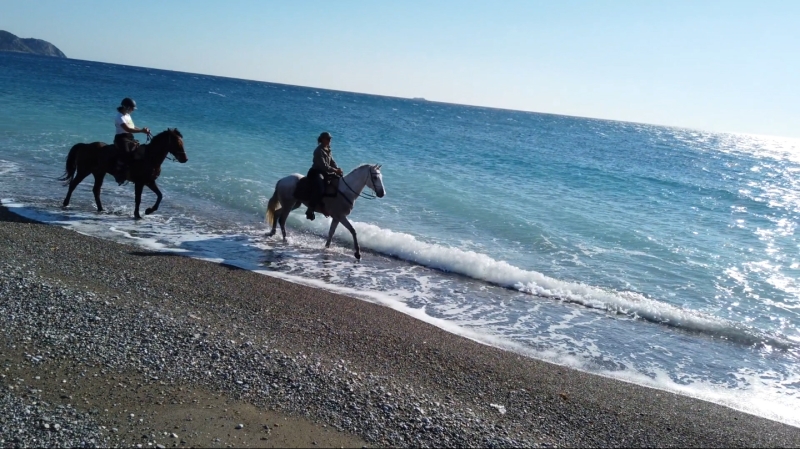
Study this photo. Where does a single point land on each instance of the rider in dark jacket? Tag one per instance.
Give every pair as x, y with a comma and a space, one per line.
323, 168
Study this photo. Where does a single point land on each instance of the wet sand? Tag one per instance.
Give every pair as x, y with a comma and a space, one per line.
192, 349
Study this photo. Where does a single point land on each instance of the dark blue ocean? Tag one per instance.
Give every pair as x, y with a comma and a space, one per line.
662, 256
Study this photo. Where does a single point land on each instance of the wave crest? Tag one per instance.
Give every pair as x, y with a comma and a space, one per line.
636, 305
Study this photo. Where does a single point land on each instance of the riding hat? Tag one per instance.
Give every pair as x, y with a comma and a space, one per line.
326, 134
128, 103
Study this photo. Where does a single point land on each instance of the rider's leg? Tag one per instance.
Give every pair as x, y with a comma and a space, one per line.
119, 164
123, 144
318, 184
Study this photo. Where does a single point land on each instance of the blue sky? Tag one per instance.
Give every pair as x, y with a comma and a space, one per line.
714, 65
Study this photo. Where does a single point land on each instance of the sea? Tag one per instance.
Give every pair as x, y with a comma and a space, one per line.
660, 256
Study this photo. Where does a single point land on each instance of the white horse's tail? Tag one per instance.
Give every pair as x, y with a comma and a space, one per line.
272, 207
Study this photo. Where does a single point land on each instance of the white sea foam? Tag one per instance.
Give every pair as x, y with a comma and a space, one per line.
482, 267
753, 394
8, 167
156, 234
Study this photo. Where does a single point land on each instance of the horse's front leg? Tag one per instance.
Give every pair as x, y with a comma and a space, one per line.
152, 185
331, 231
352, 230
137, 189
98, 184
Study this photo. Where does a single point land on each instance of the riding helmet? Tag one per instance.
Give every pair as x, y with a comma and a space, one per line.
326, 134
128, 103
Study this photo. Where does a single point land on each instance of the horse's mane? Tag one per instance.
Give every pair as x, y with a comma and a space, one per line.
163, 134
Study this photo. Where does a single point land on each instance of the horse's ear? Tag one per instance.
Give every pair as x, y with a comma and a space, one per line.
378, 167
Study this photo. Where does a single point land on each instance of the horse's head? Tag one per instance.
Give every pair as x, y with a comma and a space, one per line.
375, 181
172, 141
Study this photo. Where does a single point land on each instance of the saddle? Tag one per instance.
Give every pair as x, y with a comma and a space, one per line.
303, 189
138, 152
123, 161
331, 187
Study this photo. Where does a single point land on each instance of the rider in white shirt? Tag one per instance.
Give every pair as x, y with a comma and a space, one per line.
124, 140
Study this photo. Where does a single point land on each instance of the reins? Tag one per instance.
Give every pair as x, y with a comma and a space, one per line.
362, 194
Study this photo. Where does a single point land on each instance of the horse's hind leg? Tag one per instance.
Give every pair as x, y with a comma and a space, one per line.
274, 228
284, 215
152, 185
98, 184
275, 221
80, 176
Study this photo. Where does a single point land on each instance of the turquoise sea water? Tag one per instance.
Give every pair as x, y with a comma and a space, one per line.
662, 256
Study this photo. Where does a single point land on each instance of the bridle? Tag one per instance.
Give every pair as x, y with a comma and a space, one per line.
169, 144
373, 175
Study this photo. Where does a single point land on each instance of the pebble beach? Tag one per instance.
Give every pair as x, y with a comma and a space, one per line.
104, 344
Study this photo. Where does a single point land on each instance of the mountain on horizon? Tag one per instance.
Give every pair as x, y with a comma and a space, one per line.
10, 42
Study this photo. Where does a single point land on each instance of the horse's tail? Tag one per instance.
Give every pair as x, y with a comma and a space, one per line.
272, 207
72, 165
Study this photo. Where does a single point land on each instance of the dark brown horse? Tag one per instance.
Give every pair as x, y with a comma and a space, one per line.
98, 158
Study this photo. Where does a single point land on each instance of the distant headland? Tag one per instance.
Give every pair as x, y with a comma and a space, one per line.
10, 42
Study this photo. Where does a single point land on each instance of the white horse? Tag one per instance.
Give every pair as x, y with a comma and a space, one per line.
287, 198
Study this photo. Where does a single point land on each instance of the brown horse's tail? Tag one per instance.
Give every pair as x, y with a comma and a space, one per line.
272, 206
72, 165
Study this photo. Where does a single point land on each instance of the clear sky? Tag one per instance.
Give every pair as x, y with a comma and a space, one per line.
714, 65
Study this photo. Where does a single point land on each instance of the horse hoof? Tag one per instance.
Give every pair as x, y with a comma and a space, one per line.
137, 217
358, 256
149, 211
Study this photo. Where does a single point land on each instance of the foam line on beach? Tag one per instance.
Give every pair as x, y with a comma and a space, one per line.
749, 398
467, 263
482, 267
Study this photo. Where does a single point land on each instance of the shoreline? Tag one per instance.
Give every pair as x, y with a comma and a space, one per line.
370, 374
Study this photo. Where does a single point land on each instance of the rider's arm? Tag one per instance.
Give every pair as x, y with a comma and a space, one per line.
133, 130
336, 170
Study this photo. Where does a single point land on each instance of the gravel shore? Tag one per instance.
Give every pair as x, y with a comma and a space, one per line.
104, 344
